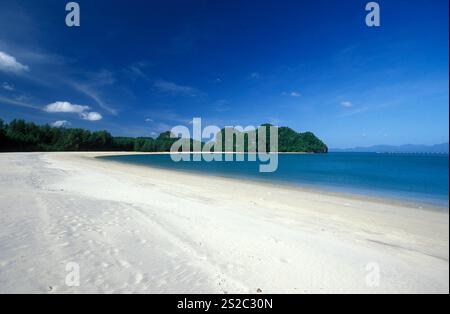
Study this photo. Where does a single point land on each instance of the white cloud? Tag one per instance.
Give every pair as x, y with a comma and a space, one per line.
255, 76
346, 104
7, 86
91, 116
148, 120
10, 64
137, 70
67, 107
60, 124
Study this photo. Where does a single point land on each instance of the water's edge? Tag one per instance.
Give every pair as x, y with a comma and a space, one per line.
411, 200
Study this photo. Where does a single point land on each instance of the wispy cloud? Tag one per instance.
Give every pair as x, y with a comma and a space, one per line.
292, 94
18, 102
8, 87
43, 58
173, 88
67, 107
101, 78
346, 104
362, 109
137, 70
51, 71
10, 64
93, 94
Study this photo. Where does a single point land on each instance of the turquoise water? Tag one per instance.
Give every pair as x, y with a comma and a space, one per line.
409, 177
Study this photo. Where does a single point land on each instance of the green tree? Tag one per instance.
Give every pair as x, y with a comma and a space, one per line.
3, 138
20, 135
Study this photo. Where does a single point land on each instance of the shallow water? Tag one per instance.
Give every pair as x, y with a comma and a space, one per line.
409, 177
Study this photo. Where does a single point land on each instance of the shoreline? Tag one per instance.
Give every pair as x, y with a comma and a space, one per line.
387, 199
137, 229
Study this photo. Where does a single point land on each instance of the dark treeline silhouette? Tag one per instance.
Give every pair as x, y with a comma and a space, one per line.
19, 135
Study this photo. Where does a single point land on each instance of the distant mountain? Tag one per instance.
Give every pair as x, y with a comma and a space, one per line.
409, 149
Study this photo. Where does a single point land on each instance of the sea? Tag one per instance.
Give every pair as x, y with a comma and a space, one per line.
416, 178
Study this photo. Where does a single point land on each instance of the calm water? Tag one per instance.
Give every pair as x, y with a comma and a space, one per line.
423, 178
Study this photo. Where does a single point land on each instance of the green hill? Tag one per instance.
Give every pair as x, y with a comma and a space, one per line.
289, 141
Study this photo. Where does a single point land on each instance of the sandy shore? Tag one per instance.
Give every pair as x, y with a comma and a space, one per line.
143, 230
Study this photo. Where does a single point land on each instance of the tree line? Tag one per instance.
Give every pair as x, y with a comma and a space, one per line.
23, 136
19, 135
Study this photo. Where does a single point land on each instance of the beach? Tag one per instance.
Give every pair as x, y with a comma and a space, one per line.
134, 229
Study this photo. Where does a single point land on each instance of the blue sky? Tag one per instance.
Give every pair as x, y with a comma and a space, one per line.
138, 68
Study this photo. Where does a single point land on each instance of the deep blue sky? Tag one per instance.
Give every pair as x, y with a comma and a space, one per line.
314, 65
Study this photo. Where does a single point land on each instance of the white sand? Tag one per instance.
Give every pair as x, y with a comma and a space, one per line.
143, 230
